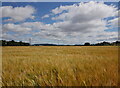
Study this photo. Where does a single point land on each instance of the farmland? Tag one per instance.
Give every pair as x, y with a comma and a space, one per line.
59, 65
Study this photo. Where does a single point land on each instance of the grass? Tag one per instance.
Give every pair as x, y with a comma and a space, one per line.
60, 66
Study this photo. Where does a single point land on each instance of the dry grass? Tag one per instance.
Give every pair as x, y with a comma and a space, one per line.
60, 66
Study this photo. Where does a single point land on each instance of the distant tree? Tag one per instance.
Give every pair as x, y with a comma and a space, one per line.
4, 43
87, 44
105, 43
118, 43
20, 43
0, 43
13, 43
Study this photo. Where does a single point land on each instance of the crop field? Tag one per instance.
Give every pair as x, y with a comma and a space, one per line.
59, 66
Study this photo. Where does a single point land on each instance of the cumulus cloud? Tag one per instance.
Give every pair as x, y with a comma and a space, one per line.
18, 13
83, 12
27, 27
15, 28
45, 16
90, 26
83, 17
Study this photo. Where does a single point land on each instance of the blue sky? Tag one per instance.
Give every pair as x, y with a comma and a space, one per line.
57, 0
56, 26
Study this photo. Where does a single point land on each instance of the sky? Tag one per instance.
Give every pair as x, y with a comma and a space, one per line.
60, 22
57, 0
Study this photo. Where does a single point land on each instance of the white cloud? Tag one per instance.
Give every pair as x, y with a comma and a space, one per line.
15, 28
39, 30
8, 20
18, 13
83, 12
107, 36
8, 36
90, 26
114, 22
27, 27
45, 16
83, 17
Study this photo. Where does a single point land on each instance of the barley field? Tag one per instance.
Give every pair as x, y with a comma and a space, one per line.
59, 66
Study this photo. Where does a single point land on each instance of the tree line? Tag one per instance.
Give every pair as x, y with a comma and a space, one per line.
117, 43
13, 43
20, 43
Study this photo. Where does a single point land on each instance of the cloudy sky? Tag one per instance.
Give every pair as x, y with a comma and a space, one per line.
60, 22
